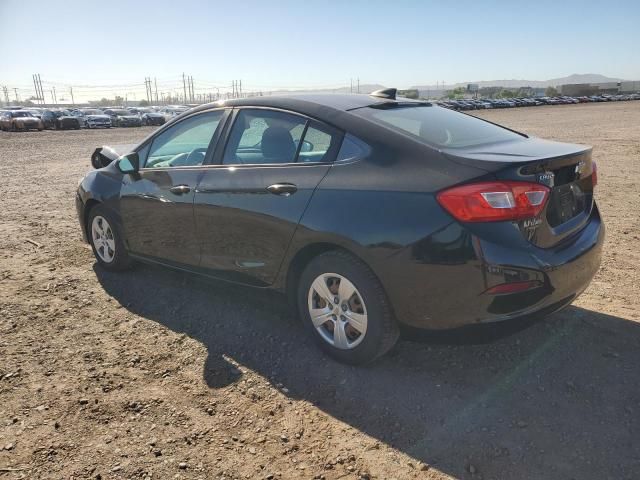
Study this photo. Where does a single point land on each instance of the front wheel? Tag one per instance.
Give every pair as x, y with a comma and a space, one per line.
344, 306
106, 241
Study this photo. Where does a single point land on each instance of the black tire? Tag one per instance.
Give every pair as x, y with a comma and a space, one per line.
121, 260
382, 330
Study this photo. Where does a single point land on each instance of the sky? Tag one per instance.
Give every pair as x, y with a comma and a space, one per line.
115, 44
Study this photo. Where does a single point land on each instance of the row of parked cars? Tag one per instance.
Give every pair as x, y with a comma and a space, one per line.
35, 118
479, 104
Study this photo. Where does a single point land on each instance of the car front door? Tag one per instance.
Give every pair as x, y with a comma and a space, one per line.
156, 203
248, 204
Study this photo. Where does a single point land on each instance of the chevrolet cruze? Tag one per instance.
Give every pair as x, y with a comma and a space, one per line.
370, 211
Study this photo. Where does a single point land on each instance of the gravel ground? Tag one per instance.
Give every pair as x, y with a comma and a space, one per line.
157, 374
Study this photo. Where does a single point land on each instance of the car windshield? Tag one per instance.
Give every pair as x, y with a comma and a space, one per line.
21, 113
122, 112
436, 126
92, 112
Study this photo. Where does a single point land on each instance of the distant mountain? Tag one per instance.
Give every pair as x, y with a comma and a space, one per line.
514, 83
424, 89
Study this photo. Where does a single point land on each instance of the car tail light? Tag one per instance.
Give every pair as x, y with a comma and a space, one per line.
494, 201
594, 174
513, 287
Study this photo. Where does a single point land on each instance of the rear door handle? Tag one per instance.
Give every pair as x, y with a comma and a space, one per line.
283, 189
180, 189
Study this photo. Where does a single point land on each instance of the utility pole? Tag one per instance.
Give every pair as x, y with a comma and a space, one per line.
240, 88
72, 99
15, 90
40, 86
351, 85
35, 84
55, 98
155, 84
184, 86
358, 84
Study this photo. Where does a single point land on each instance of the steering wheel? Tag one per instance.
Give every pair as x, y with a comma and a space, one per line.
186, 159
191, 158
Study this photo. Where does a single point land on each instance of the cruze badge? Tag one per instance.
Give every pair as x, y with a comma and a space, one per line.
532, 222
546, 178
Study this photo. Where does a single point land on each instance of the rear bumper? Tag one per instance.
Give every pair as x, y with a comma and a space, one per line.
450, 289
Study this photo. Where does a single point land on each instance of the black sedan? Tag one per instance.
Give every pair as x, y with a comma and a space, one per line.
152, 118
370, 212
60, 120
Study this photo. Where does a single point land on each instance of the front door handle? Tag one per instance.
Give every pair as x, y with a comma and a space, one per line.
282, 189
180, 189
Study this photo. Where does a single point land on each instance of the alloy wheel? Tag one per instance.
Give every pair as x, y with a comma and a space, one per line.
103, 239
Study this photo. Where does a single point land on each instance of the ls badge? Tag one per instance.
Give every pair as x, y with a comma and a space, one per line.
546, 178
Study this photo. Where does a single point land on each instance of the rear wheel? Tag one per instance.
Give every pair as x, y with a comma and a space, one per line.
106, 241
344, 306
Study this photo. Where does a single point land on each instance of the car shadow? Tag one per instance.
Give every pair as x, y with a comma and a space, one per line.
556, 398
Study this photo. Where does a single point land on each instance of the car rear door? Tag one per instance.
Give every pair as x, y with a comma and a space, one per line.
250, 201
156, 203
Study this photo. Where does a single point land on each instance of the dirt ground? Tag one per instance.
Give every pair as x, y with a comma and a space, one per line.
158, 374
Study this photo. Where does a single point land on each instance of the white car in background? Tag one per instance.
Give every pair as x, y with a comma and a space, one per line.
95, 118
171, 111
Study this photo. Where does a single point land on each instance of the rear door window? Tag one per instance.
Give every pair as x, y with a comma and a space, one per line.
263, 137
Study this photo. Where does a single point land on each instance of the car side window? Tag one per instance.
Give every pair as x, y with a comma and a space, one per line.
184, 144
318, 144
353, 148
264, 137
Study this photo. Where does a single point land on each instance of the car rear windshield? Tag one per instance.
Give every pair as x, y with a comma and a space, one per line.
437, 126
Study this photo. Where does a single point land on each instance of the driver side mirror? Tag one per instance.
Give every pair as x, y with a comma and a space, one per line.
129, 163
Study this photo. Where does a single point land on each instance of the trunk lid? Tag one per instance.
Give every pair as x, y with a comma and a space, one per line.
565, 168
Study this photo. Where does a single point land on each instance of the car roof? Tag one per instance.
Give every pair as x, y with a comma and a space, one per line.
310, 103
